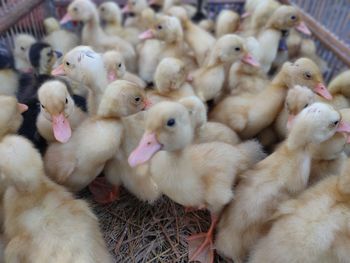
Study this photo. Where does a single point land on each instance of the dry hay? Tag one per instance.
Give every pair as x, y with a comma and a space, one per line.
142, 233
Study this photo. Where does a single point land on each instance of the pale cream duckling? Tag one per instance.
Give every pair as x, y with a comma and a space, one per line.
208, 81
207, 131
79, 161
227, 22
168, 30
281, 176
22, 43
199, 40
85, 66
92, 33
244, 77
315, 227
248, 115
115, 66
43, 222
59, 39
170, 81
284, 18
339, 87
184, 172
111, 15
58, 115
136, 7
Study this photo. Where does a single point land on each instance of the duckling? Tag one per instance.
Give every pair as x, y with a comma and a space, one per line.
170, 81
85, 66
111, 16
208, 80
92, 33
43, 222
207, 131
227, 22
58, 114
74, 164
168, 29
246, 78
339, 88
59, 39
43, 57
248, 115
314, 227
199, 40
22, 43
279, 177
183, 171
9, 78
136, 7
115, 66
284, 18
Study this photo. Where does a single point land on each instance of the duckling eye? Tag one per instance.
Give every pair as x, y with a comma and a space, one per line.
335, 123
22, 48
120, 65
66, 101
307, 75
102, 9
67, 63
75, 9
306, 105
137, 99
237, 48
171, 122
160, 27
42, 106
293, 17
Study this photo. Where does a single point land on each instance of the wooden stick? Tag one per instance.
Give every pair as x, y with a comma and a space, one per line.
329, 40
17, 12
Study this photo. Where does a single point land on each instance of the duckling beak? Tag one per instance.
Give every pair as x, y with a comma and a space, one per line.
58, 53
323, 91
301, 27
61, 128
343, 127
126, 9
249, 59
111, 76
67, 17
189, 77
245, 15
59, 71
290, 121
147, 147
22, 107
147, 104
147, 34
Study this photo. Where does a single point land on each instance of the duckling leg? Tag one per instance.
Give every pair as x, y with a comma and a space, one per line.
103, 191
202, 250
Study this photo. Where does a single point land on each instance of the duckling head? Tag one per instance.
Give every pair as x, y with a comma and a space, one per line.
80, 10
180, 13
10, 115
170, 75
110, 12
230, 48
166, 28
298, 98
22, 43
196, 110
305, 72
56, 104
287, 17
168, 127
122, 98
51, 24
114, 64
135, 6
20, 163
317, 123
81, 64
43, 57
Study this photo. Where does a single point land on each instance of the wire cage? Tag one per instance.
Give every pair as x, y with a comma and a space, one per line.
126, 224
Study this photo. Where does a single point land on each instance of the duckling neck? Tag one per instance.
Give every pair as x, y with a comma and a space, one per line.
93, 23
